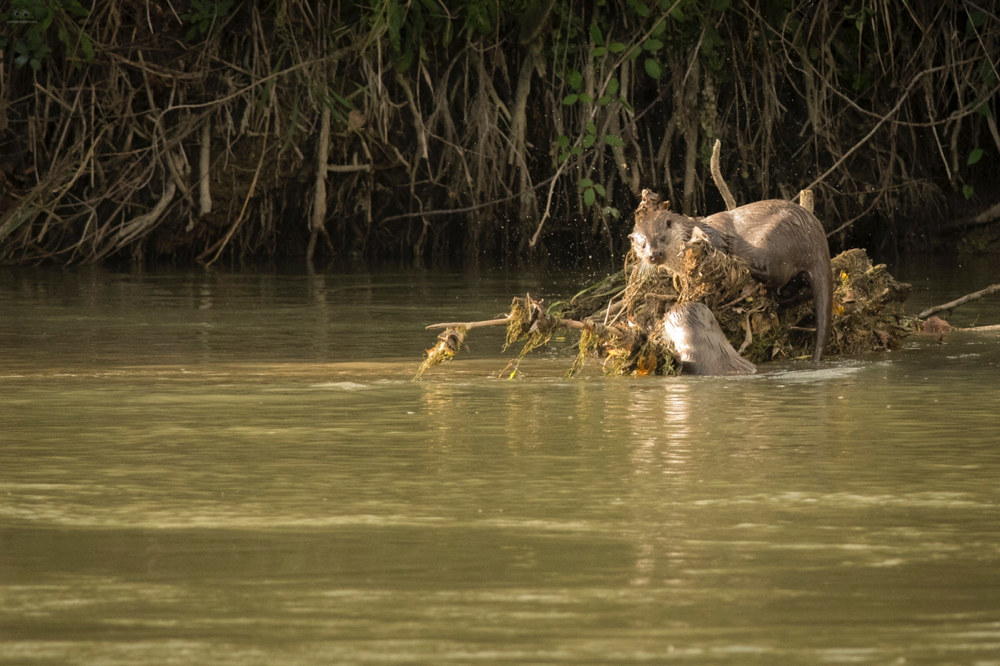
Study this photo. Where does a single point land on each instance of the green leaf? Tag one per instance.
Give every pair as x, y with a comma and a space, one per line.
611, 210
574, 79
562, 158
968, 191
613, 86
88, 48
613, 141
634, 53
652, 45
562, 141
987, 73
595, 34
976, 20
396, 15
343, 100
653, 68
814, 53
711, 40
677, 14
75, 7
600, 189
640, 7
604, 99
588, 140
616, 47
721, 5
984, 109
589, 197
585, 182
20, 61
577, 150
570, 99
975, 156
599, 52
591, 127
586, 99
35, 65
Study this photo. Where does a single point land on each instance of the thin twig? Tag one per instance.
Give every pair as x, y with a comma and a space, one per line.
974, 296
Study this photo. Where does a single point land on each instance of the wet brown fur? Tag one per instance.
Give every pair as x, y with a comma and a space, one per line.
777, 239
701, 344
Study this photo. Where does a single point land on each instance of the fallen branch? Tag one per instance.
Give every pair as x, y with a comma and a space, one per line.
988, 216
980, 329
469, 324
975, 296
136, 227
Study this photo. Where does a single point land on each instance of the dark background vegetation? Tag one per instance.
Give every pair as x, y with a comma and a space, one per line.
194, 131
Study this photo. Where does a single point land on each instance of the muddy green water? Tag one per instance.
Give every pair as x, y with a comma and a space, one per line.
236, 469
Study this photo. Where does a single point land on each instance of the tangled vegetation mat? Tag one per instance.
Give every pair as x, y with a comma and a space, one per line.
620, 318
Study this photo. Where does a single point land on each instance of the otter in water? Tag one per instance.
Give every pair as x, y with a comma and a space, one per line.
776, 238
701, 344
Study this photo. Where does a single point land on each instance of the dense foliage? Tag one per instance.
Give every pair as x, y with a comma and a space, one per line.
243, 131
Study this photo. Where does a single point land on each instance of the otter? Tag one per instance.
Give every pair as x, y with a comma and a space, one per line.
701, 344
777, 239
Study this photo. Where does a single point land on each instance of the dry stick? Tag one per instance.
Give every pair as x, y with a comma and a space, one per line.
720, 184
246, 202
17, 215
593, 113
348, 168
336, 55
988, 216
879, 124
467, 209
558, 321
133, 229
806, 200
319, 202
469, 324
980, 329
204, 191
975, 296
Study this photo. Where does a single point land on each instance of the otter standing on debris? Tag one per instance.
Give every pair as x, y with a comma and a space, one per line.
776, 238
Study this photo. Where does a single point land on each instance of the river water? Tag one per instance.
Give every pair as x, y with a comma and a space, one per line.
210, 468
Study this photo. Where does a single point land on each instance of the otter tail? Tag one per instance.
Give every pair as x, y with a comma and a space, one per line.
821, 281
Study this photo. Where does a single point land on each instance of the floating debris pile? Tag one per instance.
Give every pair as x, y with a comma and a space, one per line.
621, 317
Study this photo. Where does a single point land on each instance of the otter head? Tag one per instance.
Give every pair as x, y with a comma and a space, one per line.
659, 235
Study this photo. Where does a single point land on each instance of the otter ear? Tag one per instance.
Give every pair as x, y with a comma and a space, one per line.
665, 205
